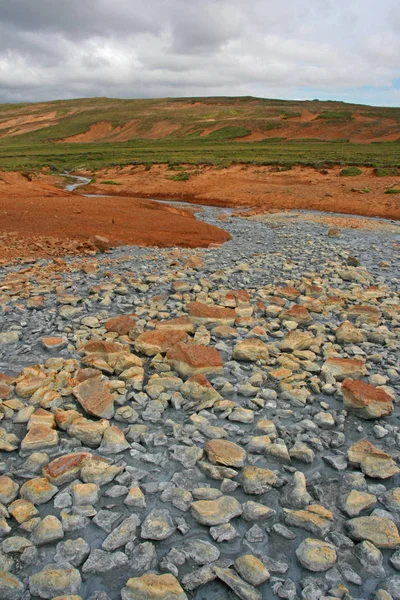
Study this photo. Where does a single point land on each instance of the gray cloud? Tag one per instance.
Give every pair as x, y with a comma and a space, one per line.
144, 48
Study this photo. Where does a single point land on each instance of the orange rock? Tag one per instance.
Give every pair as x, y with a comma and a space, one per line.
369, 402
39, 436
180, 323
121, 325
5, 391
341, 368
158, 341
189, 359
204, 313
95, 398
64, 468
288, 291
51, 343
297, 313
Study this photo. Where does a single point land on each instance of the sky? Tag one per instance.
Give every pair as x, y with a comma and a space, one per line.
294, 49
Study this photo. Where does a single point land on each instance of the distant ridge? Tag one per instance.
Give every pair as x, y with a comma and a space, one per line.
216, 118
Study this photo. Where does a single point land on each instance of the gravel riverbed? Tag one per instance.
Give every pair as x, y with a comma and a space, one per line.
204, 424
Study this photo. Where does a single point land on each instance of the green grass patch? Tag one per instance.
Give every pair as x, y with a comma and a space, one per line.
350, 172
387, 172
229, 132
393, 191
336, 116
183, 176
109, 182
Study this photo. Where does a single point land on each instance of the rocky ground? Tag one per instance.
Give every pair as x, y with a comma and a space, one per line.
204, 424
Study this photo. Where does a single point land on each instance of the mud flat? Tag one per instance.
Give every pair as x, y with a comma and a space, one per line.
204, 423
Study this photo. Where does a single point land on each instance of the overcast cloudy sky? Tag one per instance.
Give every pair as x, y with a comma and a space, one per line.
327, 49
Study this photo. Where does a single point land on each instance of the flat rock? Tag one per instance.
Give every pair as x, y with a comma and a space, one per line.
225, 453
38, 490
373, 462
368, 401
121, 535
55, 581
153, 587
251, 569
344, 368
216, 512
256, 480
316, 555
95, 398
201, 314
159, 341
243, 590
189, 359
158, 525
11, 588
64, 468
251, 350
382, 532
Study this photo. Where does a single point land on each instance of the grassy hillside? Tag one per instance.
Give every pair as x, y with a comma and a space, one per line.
98, 132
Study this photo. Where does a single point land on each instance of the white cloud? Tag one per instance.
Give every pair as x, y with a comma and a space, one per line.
139, 48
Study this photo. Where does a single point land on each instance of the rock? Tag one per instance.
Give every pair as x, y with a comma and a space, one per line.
216, 512
251, 569
295, 494
202, 314
87, 431
254, 511
372, 461
343, 368
297, 313
368, 401
158, 525
392, 586
297, 340
85, 493
64, 468
121, 324
159, 341
38, 437
256, 480
179, 498
190, 359
98, 470
346, 333
316, 555
200, 390
135, 498
9, 337
314, 518
200, 551
356, 501
391, 500
75, 552
113, 441
38, 490
22, 510
55, 581
153, 587
11, 588
121, 535
49, 530
371, 558
251, 350
225, 453
380, 531
242, 589
95, 398
100, 561
8, 489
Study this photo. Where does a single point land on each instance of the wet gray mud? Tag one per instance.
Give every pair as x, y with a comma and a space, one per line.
280, 404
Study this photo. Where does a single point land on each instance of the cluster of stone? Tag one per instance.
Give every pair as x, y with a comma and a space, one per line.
189, 428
